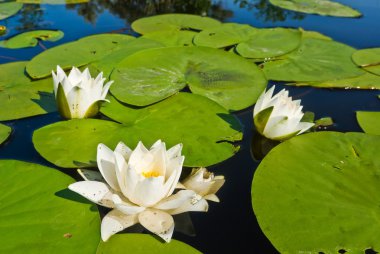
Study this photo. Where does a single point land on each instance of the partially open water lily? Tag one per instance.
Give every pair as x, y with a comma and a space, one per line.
279, 117
140, 187
78, 95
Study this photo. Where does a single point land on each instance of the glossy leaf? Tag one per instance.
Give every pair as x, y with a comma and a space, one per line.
321, 7
317, 193
53, 1
199, 123
5, 131
173, 22
77, 53
369, 59
40, 215
8, 9
30, 39
172, 38
314, 60
369, 121
140, 81
21, 97
141, 244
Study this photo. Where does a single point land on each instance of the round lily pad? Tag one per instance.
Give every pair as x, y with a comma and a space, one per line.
314, 60
30, 39
270, 42
40, 215
20, 96
173, 22
77, 53
8, 9
369, 59
369, 121
203, 127
141, 244
153, 75
314, 35
318, 193
5, 131
172, 38
320, 7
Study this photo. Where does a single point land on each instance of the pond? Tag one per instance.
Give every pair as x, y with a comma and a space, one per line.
231, 225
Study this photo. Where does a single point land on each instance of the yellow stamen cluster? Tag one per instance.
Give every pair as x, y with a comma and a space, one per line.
152, 173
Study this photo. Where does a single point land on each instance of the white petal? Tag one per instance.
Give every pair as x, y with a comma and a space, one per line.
106, 163
124, 150
127, 181
174, 169
105, 89
157, 222
212, 197
140, 159
97, 192
304, 126
75, 76
90, 175
175, 151
115, 221
176, 200
125, 206
148, 191
196, 204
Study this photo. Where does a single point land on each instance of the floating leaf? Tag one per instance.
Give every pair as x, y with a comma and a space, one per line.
318, 193
199, 123
53, 1
320, 7
141, 81
141, 244
369, 59
172, 38
77, 53
5, 131
173, 22
373, 69
314, 35
21, 97
30, 39
8, 9
369, 121
314, 60
40, 215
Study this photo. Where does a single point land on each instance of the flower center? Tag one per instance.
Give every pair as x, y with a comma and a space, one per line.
151, 173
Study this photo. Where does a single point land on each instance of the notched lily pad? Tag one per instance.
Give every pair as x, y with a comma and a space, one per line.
8, 9
369, 121
141, 244
203, 127
30, 39
368, 59
174, 21
318, 193
140, 81
5, 131
320, 7
40, 215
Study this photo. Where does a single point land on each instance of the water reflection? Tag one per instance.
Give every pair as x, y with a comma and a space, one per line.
31, 18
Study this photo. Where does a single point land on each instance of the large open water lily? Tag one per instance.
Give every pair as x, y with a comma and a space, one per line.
139, 185
279, 117
78, 95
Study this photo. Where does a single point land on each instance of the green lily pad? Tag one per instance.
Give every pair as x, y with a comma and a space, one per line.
172, 38
373, 69
314, 35
270, 42
320, 7
5, 131
77, 53
314, 60
21, 97
369, 121
225, 35
40, 215
198, 123
30, 39
364, 81
368, 59
141, 81
141, 244
318, 193
8, 9
173, 22
53, 1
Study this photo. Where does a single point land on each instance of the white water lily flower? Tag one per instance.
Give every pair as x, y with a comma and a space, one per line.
139, 186
278, 117
204, 183
78, 95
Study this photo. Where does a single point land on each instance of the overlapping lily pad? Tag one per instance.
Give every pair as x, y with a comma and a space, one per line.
8, 9
5, 131
173, 22
40, 215
21, 97
172, 38
30, 39
199, 123
141, 244
314, 60
52, 1
368, 59
321, 7
318, 193
230, 80
369, 121
77, 53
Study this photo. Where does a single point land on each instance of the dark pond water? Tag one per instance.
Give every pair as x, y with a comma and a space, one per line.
230, 226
